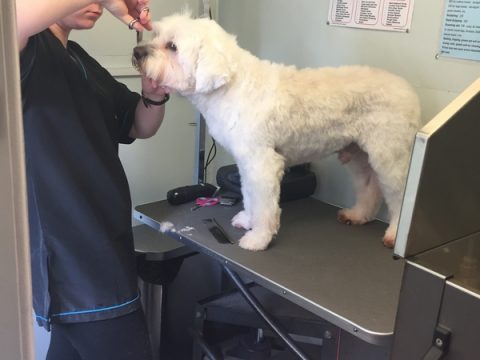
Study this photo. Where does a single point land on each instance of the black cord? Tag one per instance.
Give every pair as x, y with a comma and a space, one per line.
214, 144
209, 160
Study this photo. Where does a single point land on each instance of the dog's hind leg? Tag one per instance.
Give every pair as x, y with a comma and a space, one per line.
393, 192
393, 198
390, 163
367, 189
260, 174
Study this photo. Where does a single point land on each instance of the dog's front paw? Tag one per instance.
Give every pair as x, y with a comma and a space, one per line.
242, 220
254, 240
351, 217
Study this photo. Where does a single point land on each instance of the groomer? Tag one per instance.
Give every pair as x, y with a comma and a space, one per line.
75, 115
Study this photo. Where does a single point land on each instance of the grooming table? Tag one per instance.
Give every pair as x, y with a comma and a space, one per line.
341, 273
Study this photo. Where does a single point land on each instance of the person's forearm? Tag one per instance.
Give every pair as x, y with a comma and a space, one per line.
34, 16
147, 120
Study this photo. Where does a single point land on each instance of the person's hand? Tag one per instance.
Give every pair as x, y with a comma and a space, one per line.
152, 90
134, 13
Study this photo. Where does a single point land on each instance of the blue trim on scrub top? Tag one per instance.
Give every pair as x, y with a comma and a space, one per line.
90, 311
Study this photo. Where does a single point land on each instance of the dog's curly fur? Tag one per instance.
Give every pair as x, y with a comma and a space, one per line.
270, 115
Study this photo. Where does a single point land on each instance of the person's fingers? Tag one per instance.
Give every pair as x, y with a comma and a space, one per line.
133, 24
126, 12
146, 21
148, 84
144, 15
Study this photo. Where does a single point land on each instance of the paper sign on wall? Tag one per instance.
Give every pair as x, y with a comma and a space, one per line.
461, 30
392, 15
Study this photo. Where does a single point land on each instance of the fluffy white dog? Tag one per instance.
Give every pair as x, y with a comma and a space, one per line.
270, 115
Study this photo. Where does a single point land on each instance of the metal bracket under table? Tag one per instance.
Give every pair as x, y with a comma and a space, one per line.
341, 273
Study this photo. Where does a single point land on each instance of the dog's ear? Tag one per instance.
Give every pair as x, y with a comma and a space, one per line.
213, 69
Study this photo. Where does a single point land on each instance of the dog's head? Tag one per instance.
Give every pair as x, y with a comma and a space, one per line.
187, 55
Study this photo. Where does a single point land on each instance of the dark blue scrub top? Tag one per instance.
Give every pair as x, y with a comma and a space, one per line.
75, 115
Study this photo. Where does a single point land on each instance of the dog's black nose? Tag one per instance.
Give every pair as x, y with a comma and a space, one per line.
139, 52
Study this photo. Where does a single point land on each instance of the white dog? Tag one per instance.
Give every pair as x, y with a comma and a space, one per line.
269, 116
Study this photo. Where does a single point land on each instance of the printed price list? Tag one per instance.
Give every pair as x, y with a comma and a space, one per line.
393, 15
461, 30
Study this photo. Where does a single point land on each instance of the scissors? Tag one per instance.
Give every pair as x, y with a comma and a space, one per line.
204, 202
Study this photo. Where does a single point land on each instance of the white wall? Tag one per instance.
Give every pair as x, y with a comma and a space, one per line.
295, 32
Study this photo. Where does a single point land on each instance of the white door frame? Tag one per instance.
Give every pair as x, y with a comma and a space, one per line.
16, 334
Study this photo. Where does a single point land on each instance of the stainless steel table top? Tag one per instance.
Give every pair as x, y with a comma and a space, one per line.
341, 273
157, 246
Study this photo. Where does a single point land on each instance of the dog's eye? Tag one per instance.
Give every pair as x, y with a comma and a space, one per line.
171, 46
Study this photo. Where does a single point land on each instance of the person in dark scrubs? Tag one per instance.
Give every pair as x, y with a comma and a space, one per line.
75, 115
